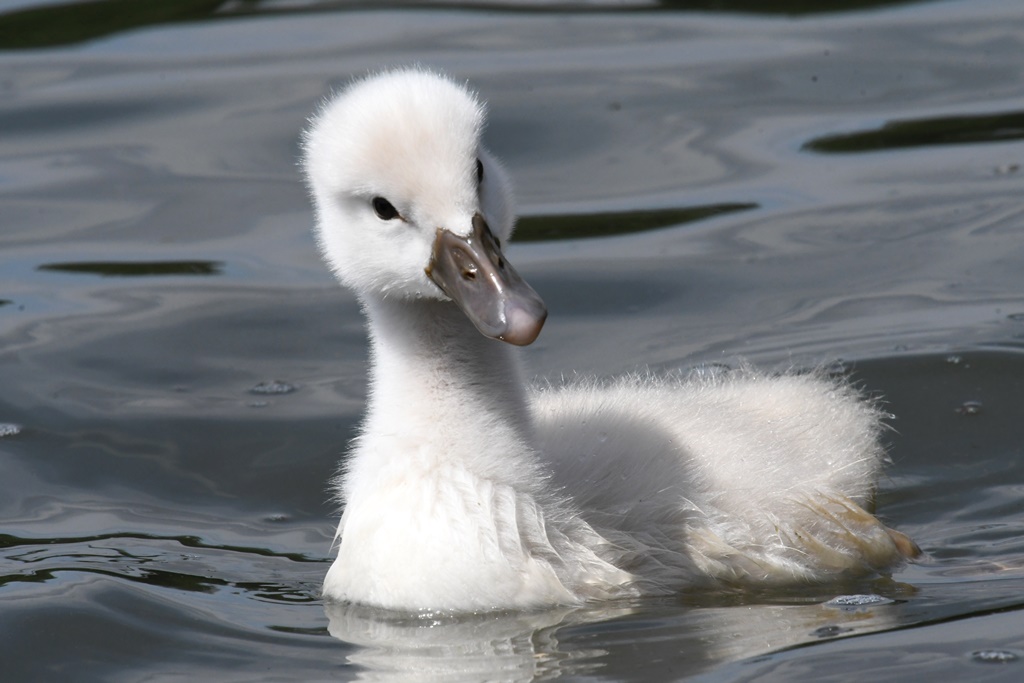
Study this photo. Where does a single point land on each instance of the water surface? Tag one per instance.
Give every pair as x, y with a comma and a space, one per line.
699, 183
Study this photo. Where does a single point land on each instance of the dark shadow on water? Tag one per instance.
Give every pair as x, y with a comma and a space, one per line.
45, 560
136, 268
173, 580
9, 541
945, 130
69, 23
75, 22
579, 226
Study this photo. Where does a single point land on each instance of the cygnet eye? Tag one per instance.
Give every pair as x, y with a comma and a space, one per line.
479, 171
384, 209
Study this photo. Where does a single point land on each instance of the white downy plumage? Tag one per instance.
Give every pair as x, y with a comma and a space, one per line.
467, 489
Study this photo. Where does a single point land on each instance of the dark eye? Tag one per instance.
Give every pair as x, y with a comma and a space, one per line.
384, 209
479, 171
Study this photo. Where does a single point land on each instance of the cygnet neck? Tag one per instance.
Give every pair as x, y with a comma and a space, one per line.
431, 368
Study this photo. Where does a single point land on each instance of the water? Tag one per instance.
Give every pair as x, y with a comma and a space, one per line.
699, 184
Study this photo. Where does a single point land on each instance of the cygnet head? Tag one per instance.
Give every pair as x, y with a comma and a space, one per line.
410, 205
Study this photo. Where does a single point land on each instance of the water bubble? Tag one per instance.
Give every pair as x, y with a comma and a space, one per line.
709, 371
9, 429
969, 408
994, 656
273, 388
861, 600
837, 368
830, 631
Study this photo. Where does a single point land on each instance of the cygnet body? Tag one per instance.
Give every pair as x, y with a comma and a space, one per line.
466, 489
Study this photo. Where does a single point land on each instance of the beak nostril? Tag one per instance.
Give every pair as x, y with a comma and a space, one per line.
477, 278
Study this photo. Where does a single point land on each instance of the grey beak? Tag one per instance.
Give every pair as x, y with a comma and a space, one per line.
474, 273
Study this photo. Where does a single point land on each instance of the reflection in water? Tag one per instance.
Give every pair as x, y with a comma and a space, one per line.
73, 22
136, 268
946, 130
542, 645
578, 226
507, 647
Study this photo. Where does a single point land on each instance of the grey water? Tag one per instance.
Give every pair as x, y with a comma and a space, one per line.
789, 184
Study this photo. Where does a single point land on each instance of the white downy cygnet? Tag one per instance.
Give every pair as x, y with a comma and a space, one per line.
469, 490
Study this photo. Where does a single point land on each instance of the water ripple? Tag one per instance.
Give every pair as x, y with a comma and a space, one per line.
924, 132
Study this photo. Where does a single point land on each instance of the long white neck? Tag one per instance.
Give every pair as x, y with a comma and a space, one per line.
436, 381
